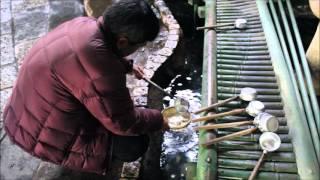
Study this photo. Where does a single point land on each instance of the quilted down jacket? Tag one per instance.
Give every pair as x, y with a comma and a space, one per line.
70, 95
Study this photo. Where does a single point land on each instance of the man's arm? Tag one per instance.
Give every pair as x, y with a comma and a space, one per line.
97, 79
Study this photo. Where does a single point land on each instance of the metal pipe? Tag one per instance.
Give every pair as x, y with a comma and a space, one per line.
301, 82
305, 157
207, 158
314, 102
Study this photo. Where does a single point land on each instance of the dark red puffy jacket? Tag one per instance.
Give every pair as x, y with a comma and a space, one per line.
70, 94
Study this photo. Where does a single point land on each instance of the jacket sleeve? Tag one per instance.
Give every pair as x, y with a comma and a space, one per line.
113, 107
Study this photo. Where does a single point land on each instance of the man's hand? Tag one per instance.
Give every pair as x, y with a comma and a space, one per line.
165, 125
137, 71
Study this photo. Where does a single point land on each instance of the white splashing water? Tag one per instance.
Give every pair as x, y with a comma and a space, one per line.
186, 140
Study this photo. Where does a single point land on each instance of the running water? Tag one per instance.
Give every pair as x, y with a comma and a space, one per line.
180, 147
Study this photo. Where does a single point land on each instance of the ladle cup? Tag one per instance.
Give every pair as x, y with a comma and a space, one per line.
253, 109
176, 119
265, 122
269, 142
238, 24
246, 94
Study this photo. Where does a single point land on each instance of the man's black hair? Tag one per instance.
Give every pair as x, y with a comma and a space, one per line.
132, 18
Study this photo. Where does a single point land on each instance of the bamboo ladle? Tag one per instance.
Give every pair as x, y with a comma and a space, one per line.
253, 109
264, 121
246, 94
269, 142
238, 24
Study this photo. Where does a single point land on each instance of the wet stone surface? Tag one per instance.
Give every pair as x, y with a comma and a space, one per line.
36, 24
21, 49
62, 10
7, 55
8, 76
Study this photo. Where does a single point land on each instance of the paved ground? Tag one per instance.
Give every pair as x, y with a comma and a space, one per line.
22, 23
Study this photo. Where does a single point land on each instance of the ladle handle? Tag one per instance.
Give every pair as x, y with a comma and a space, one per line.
157, 86
223, 125
256, 168
216, 105
230, 136
214, 26
232, 112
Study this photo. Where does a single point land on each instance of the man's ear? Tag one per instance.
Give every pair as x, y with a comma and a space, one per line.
122, 42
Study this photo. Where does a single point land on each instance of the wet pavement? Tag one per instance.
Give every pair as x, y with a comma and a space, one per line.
22, 23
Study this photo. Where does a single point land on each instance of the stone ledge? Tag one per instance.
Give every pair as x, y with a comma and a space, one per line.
7, 50
172, 33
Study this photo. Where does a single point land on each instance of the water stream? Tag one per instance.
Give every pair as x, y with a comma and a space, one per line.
181, 147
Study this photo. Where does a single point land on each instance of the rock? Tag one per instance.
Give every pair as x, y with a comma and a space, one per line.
61, 11
140, 101
47, 171
140, 91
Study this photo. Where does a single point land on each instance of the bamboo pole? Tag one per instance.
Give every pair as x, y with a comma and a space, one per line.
230, 136
214, 116
240, 174
253, 155
216, 105
256, 168
241, 145
286, 167
223, 125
